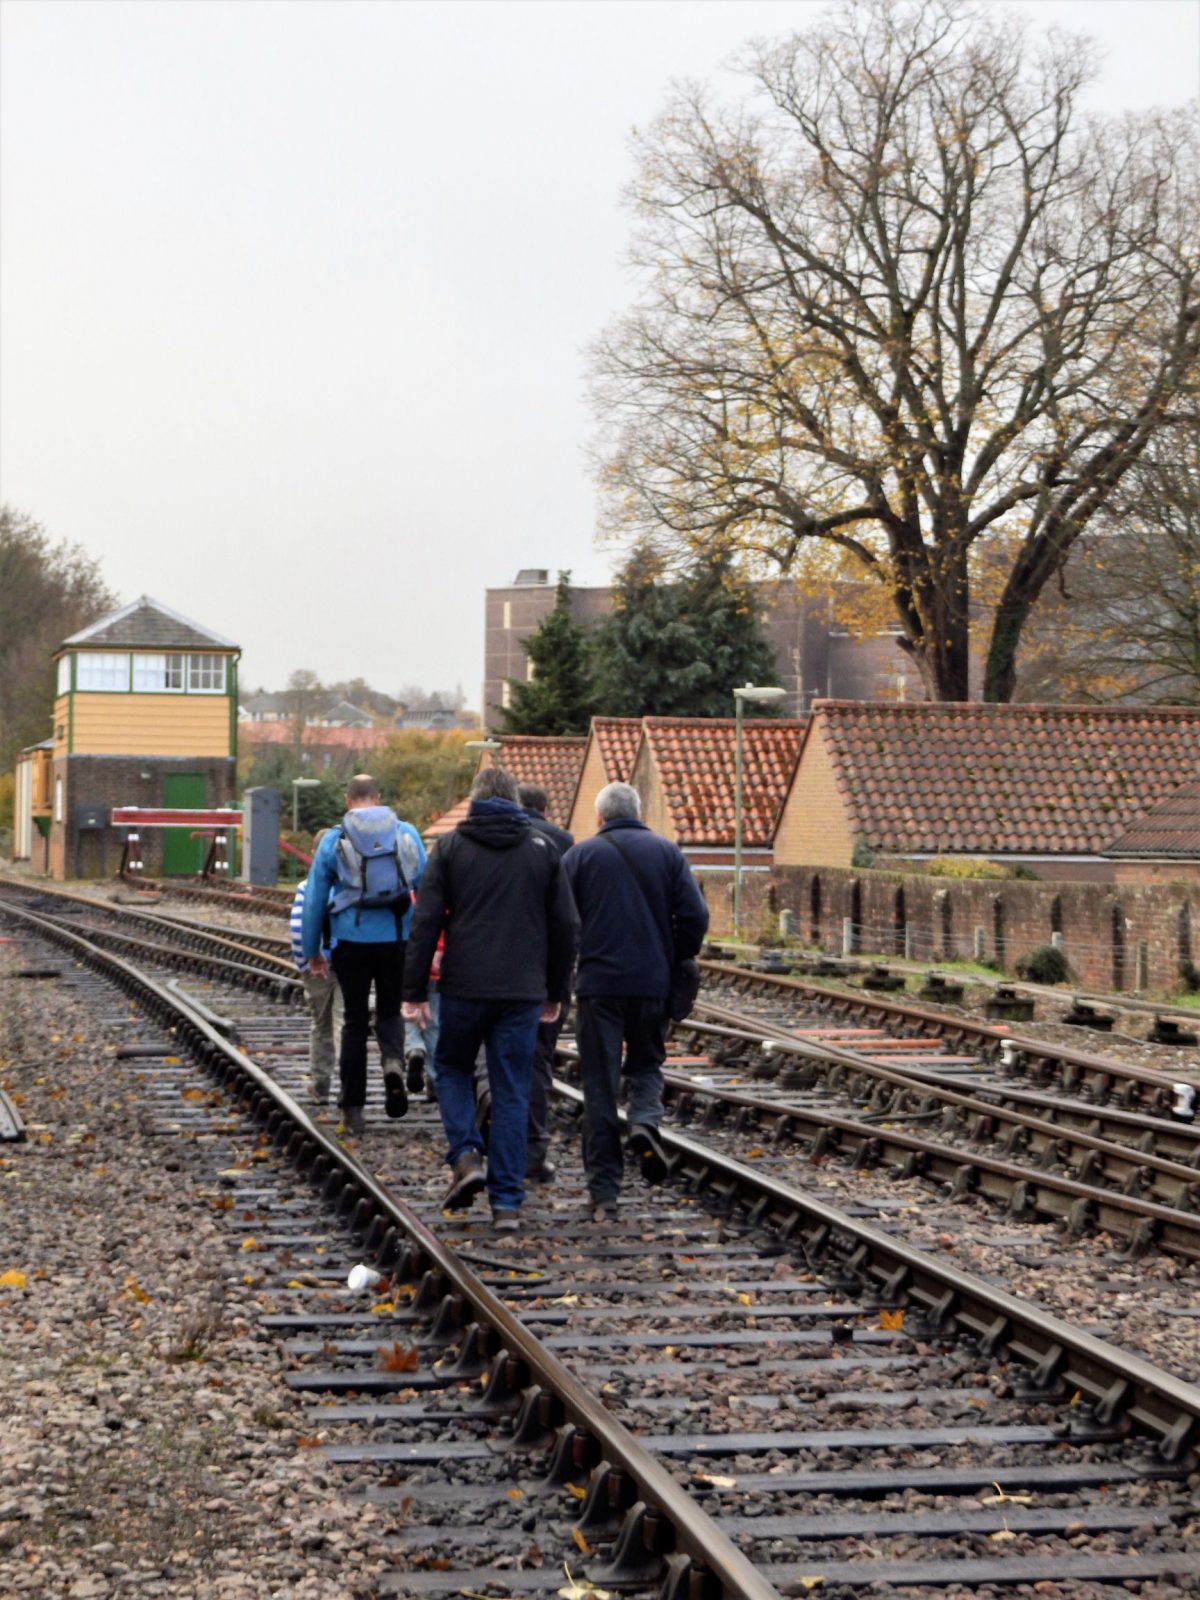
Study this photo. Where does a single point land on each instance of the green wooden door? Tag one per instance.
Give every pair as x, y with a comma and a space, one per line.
181, 855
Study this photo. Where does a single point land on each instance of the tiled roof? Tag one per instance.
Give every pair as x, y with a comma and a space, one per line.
990, 779
553, 764
618, 739
695, 757
1169, 829
148, 624
448, 821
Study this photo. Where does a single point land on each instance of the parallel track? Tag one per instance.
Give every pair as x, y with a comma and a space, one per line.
776, 1318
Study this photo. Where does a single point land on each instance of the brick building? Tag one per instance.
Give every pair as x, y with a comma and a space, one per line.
815, 656
1047, 787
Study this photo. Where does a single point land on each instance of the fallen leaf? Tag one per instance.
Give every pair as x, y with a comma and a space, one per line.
815, 1582
1003, 1537
12, 1279
308, 1441
399, 1358
515, 1494
384, 1308
576, 1491
135, 1291
892, 1320
251, 1244
753, 1155
716, 1481
584, 1546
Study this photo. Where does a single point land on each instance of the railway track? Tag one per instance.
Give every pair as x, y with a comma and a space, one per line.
735, 1390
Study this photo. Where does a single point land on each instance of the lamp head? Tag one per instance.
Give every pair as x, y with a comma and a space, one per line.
759, 694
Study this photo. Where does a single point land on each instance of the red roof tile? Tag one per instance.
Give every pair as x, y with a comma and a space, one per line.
1029, 779
618, 738
553, 764
695, 761
448, 821
1169, 829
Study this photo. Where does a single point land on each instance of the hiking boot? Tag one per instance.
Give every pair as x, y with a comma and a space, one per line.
320, 1091
541, 1172
415, 1064
468, 1180
395, 1100
644, 1146
505, 1221
354, 1121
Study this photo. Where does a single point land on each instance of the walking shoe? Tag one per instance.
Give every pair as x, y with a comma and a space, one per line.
354, 1121
395, 1101
644, 1146
468, 1180
320, 1091
415, 1062
541, 1172
505, 1221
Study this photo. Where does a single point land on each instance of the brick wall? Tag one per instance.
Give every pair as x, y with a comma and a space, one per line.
813, 826
1102, 924
117, 781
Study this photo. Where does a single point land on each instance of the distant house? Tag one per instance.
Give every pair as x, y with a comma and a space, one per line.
1044, 786
266, 708
612, 749
1163, 844
685, 774
145, 715
341, 714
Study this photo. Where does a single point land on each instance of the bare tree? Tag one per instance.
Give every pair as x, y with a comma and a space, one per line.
1123, 623
305, 696
48, 591
907, 303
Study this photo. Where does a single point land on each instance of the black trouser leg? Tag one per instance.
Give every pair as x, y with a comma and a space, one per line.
353, 967
389, 980
539, 1092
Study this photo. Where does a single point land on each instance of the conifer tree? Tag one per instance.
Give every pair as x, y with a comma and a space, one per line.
558, 698
722, 609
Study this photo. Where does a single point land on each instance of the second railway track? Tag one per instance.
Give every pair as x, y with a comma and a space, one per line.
737, 1389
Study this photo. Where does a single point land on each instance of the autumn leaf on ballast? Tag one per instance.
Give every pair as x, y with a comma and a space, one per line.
892, 1320
399, 1358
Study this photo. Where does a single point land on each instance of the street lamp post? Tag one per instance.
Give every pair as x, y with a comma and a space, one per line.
757, 695
297, 785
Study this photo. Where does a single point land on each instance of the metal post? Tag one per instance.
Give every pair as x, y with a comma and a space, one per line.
737, 817
980, 944
910, 942
847, 936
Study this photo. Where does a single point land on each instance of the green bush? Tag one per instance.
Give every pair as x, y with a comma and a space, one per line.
972, 867
1046, 964
1189, 976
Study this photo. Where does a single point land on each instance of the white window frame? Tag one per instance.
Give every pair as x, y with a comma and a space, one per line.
167, 669
111, 666
64, 675
198, 668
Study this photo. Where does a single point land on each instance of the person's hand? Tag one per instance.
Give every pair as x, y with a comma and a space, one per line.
550, 1011
418, 1012
318, 965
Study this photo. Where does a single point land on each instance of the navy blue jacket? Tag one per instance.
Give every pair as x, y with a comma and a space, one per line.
621, 948
558, 837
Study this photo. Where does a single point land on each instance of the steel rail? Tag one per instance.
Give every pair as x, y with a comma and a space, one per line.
1072, 1066
1116, 1381
1125, 1128
663, 1517
1106, 1151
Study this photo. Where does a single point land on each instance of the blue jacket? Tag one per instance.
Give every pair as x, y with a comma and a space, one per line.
374, 926
621, 948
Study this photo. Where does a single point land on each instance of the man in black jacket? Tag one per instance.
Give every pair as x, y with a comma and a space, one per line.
640, 912
496, 887
537, 1168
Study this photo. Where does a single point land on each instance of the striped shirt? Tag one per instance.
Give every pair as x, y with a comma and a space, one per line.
296, 924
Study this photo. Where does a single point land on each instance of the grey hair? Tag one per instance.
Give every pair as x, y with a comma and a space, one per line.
618, 800
493, 783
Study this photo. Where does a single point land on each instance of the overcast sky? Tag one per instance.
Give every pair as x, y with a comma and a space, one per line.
294, 297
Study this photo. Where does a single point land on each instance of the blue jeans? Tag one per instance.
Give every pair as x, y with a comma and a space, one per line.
603, 1024
509, 1030
414, 1039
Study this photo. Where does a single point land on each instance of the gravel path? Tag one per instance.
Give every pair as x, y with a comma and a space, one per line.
147, 1445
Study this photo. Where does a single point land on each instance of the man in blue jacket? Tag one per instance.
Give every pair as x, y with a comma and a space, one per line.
640, 912
372, 864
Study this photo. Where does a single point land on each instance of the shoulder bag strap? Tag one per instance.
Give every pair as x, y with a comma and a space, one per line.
640, 880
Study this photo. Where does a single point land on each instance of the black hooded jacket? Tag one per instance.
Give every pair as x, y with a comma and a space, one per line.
496, 886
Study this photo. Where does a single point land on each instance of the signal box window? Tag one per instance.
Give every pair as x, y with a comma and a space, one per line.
206, 674
163, 674
98, 671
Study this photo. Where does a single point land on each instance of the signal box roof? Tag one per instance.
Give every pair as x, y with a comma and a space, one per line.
147, 625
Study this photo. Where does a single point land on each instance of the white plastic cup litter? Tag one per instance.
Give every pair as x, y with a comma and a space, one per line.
363, 1277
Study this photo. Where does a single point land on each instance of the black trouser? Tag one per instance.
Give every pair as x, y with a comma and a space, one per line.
539, 1092
357, 967
603, 1024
